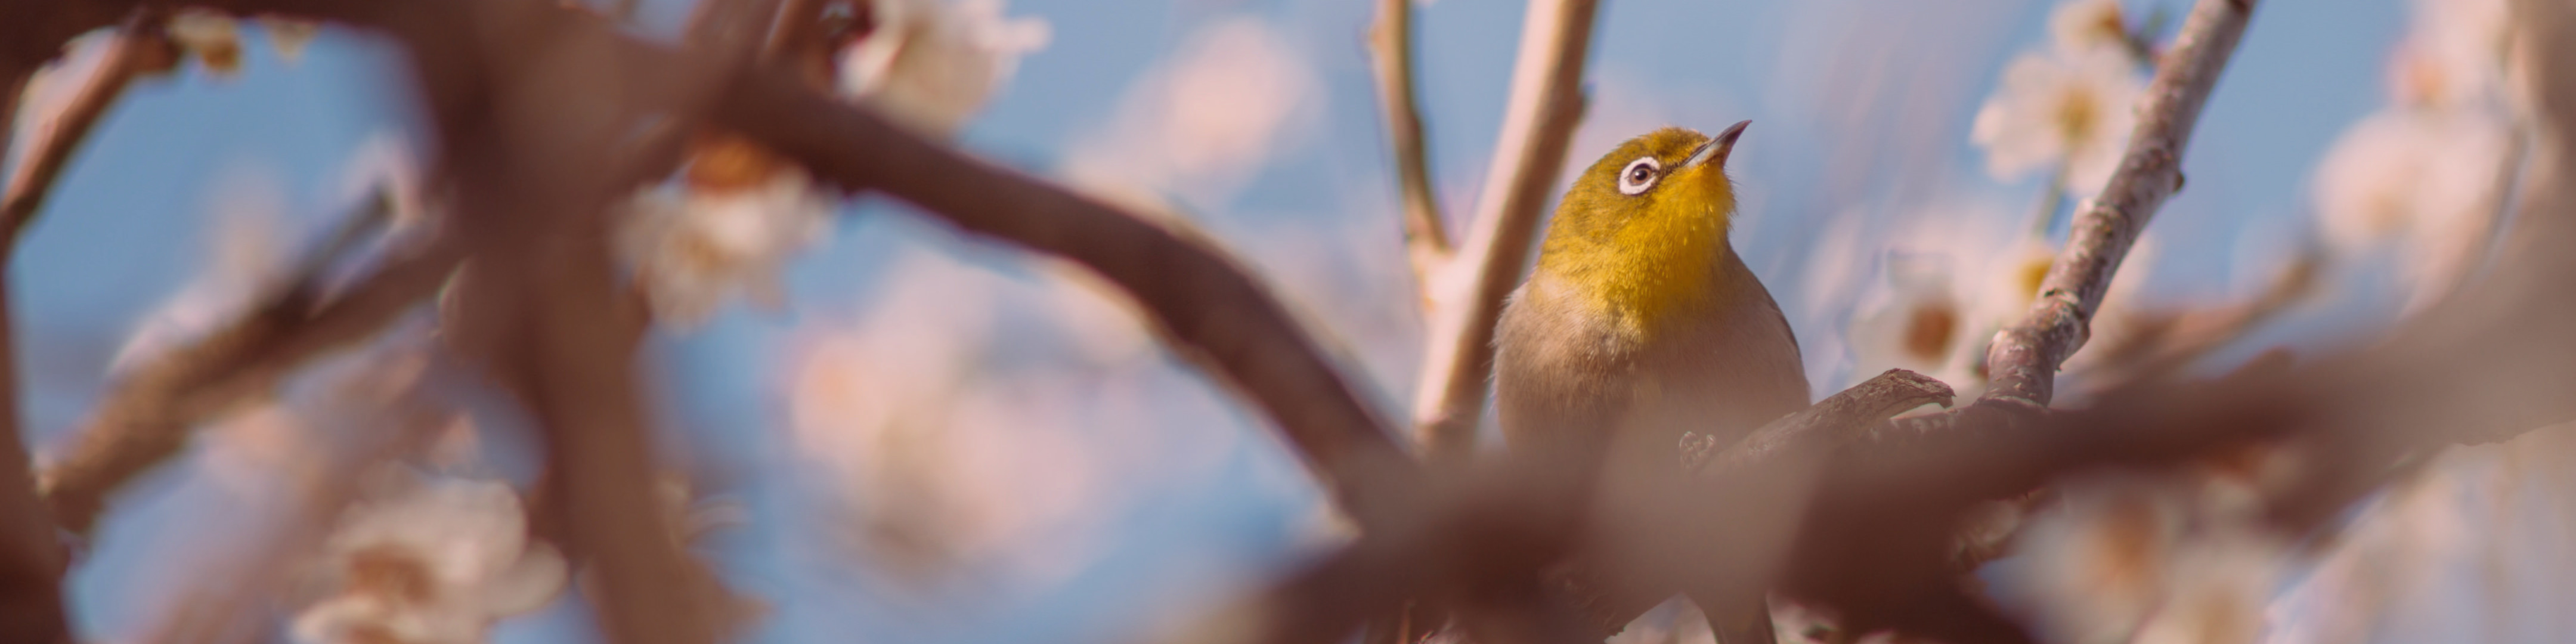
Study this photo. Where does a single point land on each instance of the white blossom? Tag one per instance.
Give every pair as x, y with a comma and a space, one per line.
289, 36
1918, 326
211, 37
693, 249
1940, 303
2060, 109
2422, 180
2085, 25
2453, 56
932, 64
435, 562
2420, 183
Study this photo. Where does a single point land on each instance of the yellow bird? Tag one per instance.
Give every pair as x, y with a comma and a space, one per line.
1640, 323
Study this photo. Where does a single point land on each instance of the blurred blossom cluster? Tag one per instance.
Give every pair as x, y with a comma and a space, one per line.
953, 458
742, 213
429, 559
2488, 522
1198, 125
1947, 291
2423, 180
2156, 560
731, 227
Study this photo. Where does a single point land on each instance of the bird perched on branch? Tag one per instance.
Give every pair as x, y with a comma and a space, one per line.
1640, 324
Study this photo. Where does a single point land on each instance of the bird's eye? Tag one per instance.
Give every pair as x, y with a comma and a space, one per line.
1639, 175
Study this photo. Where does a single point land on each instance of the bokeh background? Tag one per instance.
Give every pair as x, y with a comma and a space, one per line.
934, 440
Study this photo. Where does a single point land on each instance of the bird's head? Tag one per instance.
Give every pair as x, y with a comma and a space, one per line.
1643, 224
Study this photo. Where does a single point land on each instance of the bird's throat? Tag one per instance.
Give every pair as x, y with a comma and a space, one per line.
1646, 273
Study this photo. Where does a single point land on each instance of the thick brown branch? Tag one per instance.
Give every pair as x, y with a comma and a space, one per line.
534, 167
1210, 308
1467, 295
2025, 357
1391, 51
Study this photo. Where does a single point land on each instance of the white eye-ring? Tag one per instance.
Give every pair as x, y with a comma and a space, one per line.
1639, 175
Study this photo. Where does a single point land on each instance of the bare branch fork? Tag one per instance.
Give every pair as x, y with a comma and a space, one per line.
1464, 294
1391, 48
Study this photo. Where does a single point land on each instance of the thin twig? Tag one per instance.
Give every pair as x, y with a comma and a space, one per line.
146, 416
1538, 126
1391, 49
15, 76
56, 136
2157, 344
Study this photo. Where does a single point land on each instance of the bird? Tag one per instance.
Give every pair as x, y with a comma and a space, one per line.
1639, 324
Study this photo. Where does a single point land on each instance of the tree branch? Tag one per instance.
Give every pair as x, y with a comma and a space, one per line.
1838, 419
31, 555
2157, 344
1209, 308
2025, 356
1538, 127
146, 416
1391, 51
56, 136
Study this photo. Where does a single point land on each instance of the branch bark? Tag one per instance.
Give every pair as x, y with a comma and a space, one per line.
1467, 294
1838, 419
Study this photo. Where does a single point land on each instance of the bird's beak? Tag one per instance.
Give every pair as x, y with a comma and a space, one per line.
1714, 151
